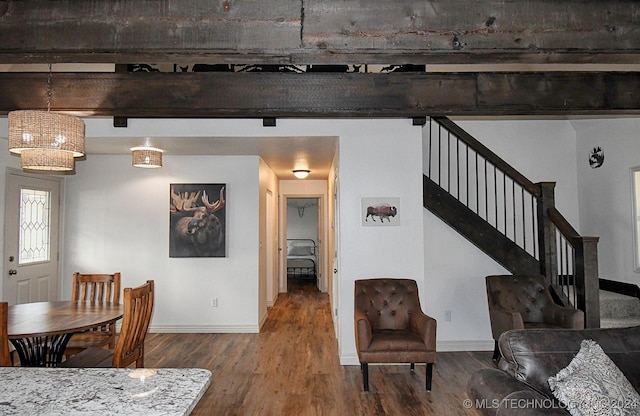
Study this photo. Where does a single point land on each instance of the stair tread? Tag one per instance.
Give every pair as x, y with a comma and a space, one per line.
619, 322
616, 306
605, 294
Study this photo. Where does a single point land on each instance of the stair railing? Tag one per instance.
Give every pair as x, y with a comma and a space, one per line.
484, 183
521, 210
577, 278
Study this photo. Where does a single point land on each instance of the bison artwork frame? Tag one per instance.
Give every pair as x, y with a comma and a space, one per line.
198, 221
381, 211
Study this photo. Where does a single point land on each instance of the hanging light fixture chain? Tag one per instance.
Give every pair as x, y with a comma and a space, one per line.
49, 92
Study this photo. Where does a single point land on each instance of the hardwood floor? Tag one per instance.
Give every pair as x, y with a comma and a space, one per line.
292, 368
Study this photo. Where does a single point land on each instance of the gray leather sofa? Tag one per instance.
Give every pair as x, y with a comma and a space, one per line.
530, 356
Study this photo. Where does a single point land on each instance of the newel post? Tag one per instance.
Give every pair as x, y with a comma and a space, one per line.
546, 232
587, 279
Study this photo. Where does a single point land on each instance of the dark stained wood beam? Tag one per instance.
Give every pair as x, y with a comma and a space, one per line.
272, 95
320, 31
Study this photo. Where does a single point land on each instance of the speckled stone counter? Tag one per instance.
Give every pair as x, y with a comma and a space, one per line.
101, 391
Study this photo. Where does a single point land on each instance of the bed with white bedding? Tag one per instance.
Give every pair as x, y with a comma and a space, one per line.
302, 258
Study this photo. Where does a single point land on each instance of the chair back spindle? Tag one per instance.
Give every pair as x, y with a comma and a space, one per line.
5, 356
138, 306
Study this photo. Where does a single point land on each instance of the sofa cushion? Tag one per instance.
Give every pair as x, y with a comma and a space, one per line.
592, 385
534, 355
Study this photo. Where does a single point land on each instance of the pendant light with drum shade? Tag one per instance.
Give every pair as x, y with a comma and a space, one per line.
146, 157
46, 141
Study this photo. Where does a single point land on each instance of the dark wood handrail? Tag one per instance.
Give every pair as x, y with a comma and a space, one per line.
562, 224
488, 154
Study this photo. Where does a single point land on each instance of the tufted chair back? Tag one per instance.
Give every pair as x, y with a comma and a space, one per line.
524, 302
525, 294
387, 303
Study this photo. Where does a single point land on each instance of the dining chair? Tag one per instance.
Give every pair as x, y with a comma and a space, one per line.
101, 288
5, 355
129, 349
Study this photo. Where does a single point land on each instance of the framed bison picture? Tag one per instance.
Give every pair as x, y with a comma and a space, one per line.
198, 222
380, 211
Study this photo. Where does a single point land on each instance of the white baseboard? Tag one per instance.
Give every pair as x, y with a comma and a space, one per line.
204, 329
474, 345
263, 320
349, 359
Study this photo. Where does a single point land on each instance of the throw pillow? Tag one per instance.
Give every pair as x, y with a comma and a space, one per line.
592, 385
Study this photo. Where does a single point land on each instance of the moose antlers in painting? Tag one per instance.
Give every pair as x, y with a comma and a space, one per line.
197, 224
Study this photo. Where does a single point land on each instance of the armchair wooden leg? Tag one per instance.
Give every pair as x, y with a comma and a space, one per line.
496, 352
429, 375
365, 375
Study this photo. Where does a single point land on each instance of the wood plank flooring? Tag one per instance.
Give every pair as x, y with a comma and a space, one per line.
292, 368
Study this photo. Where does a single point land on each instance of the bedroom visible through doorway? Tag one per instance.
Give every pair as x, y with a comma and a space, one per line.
302, 248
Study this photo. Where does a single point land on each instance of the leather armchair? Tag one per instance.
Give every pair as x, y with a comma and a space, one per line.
524, 301
390, 326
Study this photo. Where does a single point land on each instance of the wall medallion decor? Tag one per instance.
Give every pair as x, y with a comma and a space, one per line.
380, 211
197, 220
596, 157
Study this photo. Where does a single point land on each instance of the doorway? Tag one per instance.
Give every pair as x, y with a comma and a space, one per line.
31, 238
303, 259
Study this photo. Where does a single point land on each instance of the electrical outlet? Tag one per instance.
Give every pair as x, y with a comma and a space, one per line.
214, 302
447, 315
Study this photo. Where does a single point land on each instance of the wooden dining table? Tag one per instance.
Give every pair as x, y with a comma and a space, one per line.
40, 331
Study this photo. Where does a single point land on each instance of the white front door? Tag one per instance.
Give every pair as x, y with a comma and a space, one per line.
31, 239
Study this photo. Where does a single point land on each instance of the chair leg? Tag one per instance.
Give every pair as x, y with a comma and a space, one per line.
365, 375
429, 375
413, 367
496, 352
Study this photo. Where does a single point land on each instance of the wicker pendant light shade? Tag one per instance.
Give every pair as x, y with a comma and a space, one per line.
146, 157
44, 140
47, 159
32, 129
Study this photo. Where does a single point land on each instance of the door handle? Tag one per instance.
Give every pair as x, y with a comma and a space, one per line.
12, 272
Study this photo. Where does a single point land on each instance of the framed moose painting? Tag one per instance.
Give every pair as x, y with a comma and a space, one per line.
197, 220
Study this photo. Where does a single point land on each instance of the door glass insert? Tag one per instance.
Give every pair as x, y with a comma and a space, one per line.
35, 226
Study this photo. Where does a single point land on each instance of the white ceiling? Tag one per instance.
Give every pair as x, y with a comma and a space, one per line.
281, 154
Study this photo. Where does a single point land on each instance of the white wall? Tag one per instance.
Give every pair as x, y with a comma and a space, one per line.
117, 216
268, 279
117, 219
542, 150
605, 193
302, 222
381, 158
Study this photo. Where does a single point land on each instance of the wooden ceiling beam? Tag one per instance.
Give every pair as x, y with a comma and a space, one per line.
268, 95
320, 31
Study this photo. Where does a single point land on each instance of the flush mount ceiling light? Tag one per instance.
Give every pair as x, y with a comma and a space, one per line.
146, 157
44, 140
301, 173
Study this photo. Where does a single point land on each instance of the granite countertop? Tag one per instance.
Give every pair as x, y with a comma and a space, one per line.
101, 391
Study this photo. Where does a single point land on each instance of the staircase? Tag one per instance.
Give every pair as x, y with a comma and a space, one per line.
618, 310
510, 218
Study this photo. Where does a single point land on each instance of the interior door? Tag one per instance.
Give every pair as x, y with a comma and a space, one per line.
271, 243
31, 238
335, 284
